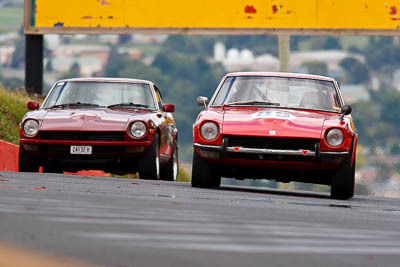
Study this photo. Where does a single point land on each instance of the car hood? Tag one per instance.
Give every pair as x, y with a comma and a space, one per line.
88, 119
274, 122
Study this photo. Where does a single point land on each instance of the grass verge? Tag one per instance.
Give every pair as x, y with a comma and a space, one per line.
12, 109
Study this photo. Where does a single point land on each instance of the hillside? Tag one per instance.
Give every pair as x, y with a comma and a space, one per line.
12, 109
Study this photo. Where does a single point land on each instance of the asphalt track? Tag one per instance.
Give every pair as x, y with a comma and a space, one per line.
126, 222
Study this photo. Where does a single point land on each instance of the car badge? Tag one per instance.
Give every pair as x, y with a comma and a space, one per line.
305, 152
272, 132
236, 148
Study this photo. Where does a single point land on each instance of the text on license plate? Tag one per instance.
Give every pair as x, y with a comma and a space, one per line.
81, 150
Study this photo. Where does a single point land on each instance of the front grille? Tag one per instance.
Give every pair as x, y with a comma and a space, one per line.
272, 143
82, 136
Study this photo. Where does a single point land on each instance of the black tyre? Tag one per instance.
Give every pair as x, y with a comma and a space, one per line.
149, 165
25, 162
343, 181
203, 175
170, 171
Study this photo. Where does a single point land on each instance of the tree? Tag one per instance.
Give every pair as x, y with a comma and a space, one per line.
382, 52
331, 43
356, 72
390, 103
115, 63
138, 70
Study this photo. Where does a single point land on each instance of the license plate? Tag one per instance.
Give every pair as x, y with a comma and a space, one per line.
81, 150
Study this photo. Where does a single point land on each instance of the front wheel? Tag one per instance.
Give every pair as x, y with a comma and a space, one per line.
343, 181
170, 171
25, 162
203, 175
149, 165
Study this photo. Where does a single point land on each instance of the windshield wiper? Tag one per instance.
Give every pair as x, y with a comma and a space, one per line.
128, 105
77, 104
243, 103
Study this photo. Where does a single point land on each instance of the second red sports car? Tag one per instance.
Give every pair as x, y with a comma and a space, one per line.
281, 126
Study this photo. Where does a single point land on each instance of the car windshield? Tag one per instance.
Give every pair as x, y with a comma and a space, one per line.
283, 92
103, 94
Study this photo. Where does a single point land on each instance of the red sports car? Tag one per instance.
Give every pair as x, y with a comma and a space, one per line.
115, 125
281, 126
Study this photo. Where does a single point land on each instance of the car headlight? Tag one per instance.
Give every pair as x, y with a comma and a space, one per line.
209, 130
335, 137
31, 128
138, 129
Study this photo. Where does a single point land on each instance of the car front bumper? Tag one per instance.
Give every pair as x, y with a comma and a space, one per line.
277, 158
100, 149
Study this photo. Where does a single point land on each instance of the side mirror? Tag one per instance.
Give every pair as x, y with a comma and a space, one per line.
346, 110
169, 107
202, 101
33, 105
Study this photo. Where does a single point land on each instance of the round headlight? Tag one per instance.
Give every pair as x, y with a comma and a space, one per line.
335, 137
138, 129
31, 128
209, 130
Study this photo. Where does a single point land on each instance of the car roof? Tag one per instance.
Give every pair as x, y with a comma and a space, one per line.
104, 79
280, 74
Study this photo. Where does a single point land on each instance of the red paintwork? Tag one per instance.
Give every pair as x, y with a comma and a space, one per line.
32, 105
105, 120
98, 119
84, 119
243, 121
169, 107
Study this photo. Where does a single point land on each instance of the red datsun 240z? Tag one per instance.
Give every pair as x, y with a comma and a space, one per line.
280, 126
115, 125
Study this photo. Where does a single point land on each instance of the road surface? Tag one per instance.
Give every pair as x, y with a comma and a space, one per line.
129, 222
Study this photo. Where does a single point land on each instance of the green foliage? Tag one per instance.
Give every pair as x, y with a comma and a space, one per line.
115, 63
12, 109
190, 45
138, 70
331, 43
259, 44
382, 53
377, 121
183, 176
356, 72
11, 83
389, 104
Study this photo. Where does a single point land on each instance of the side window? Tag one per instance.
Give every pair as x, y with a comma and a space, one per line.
158, 97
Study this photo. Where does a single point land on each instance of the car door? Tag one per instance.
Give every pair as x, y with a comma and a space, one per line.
167, 126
